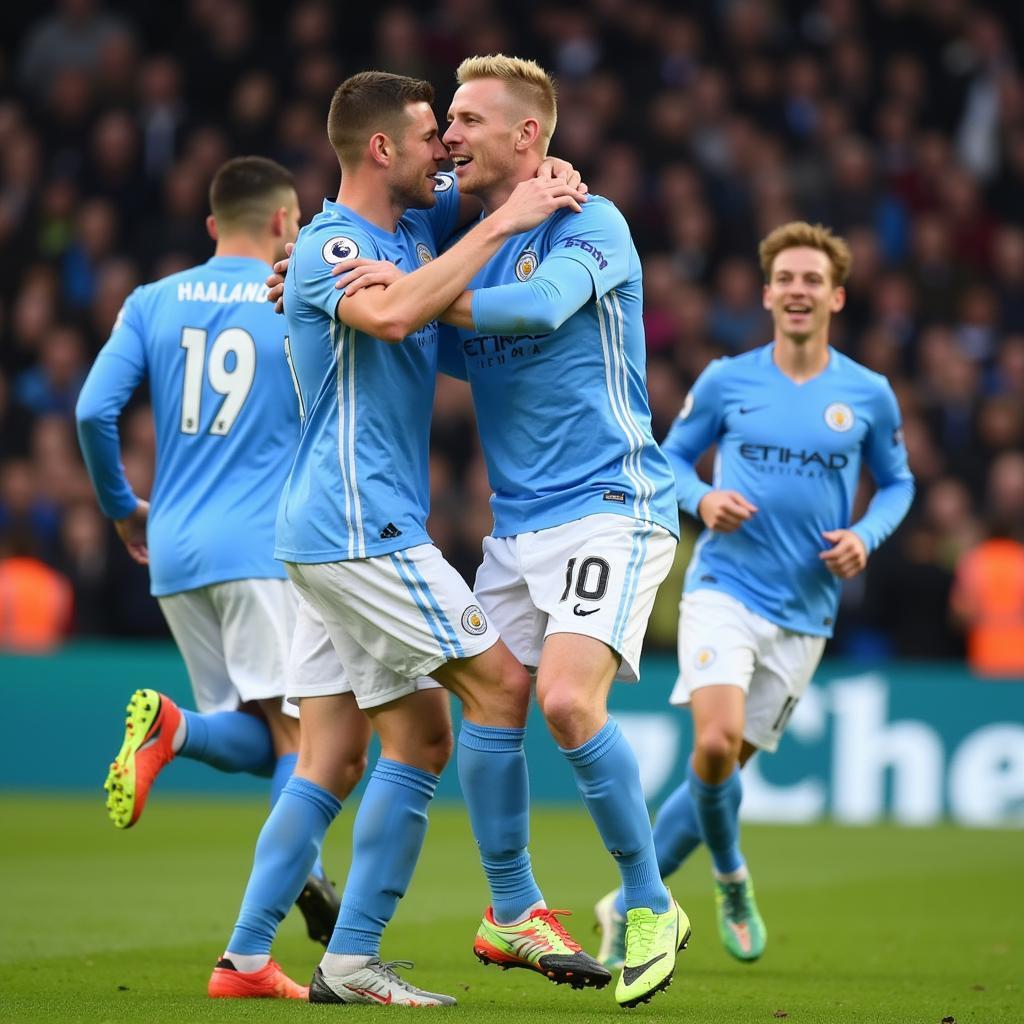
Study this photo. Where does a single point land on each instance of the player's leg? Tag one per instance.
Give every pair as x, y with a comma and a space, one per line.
597, 580
387, 837
495, 689
157, 730
332, 757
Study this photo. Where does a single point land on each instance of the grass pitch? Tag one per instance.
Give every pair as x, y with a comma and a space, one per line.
865, 925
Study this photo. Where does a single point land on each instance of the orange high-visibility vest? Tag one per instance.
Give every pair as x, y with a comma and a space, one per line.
993, 574
35, 605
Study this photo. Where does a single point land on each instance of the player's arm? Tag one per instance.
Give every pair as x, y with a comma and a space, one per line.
394, 312
886, 457
117, 372
698, 426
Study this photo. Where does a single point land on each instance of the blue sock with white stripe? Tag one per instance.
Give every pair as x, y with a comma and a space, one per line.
718, 811
283, 770
608, 779
496, 787
387, 837
288, 846
230, 741
676, 835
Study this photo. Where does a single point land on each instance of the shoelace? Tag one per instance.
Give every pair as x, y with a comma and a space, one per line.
550, 916
640, 935
388, 967
735, 900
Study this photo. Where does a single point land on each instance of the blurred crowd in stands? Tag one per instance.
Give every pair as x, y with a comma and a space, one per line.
899, 123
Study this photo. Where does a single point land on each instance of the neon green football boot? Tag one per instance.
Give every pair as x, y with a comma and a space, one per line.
652, 941
739, 922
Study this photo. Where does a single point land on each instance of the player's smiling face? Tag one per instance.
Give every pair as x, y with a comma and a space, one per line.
419, 158
481, 134
800, 295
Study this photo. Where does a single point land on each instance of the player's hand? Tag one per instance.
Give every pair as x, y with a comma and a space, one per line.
725, 511
847, 556
553, 167
355, 274
276, 280
533, 201
132, 531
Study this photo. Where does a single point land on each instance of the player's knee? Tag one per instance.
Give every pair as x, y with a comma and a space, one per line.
565, 710
718, 746
505, 699
350, 771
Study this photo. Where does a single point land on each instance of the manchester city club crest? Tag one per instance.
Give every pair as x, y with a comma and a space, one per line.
473, 621
423, 253
337, 250
839, 416
526, 264
704, 657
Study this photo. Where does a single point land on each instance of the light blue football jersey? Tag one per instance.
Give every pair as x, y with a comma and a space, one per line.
563, 416
212, 349
795, 451
359, 486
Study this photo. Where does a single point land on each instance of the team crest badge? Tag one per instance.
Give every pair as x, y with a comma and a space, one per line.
337, 250
473, 621
704, 658
839, 416
526, 264
424, 253
443, 182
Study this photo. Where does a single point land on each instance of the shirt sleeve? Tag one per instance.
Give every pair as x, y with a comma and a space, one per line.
598, 239
537, 306
886, 456
698, 425
451, 361
117, 372
316, 255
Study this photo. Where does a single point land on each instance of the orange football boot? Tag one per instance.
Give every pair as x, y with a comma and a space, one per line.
269, 982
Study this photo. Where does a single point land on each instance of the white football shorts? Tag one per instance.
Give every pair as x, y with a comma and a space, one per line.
408, 610
315, 668
724, 643
235, 638
596, 576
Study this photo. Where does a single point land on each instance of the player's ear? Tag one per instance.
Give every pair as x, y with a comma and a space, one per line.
279, 221
766, 298
527, 134
838, 299
211, 227
381, 149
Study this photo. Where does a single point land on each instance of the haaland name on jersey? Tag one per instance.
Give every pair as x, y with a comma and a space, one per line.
222, 291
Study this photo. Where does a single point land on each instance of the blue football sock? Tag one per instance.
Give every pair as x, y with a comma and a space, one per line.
288, 846
676, 835
496, 787
608, 779
282, 773
718, 811
387, 837
230, 741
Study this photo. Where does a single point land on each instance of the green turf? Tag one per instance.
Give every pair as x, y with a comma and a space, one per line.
867, 925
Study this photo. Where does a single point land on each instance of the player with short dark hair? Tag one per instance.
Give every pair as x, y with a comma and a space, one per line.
352, 533
793, 421
224, 410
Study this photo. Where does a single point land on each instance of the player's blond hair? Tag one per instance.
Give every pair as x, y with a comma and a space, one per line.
528, 82
798, 234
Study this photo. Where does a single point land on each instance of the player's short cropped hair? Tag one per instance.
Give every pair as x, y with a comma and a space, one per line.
528, 82
798, 234
369, 102
245, 192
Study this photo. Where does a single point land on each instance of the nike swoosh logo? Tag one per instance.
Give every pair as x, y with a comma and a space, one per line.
398, 262
630, 974
584, 611
370, 994
742, 933
744, 409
